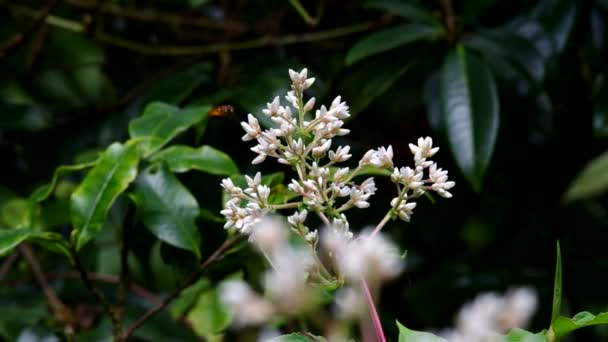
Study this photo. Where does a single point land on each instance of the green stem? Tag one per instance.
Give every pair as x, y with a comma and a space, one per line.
297, 5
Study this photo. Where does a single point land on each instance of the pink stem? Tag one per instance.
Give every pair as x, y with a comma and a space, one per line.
373, 312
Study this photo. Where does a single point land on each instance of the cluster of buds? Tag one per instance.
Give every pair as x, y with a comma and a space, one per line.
304, 141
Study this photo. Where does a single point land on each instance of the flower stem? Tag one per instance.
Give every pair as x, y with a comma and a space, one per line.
373, 312
383, 222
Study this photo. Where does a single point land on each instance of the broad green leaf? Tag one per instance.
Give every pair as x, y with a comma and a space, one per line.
502, 46
90, 202
520, 335
407, 335
377, 83
557, 17
16, 213
469, 104
592, 181
187, 298
563, 325
205, 158
557, 285
162, 122
209, 317
11, 238
167, 208
391, 38
404, 9
298, 337
44, 191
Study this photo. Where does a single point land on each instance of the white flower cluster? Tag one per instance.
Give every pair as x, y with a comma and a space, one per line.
290, 284
490, 315
304, 142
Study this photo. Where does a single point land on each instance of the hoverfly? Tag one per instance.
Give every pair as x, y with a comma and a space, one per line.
220, 110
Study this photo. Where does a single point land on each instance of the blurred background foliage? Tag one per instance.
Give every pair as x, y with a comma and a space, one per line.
514, 92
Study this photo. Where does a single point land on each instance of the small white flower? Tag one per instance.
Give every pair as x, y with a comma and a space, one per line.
404, 209
247, 307
424, 148
367, 157
319, 151
339, 108
340, 174
297, 218
340, 155
272, 108
296, 187
252, 129
440, 181
370, 257
383, 157
253, 183
293, 99
312, 237
269, 233
310, 104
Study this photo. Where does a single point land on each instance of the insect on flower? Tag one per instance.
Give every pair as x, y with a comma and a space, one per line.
221, 110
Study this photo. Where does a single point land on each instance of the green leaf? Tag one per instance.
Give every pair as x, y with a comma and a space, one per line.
90, 202
520, 335
404, 9
391, 38
557, 286
563, 325
205, 158
407, 335
187, 298
16, 213
167, 208
162, 122
11, 238
209, 317
298, 337
592, 181
45, 191
376, 84
469, 104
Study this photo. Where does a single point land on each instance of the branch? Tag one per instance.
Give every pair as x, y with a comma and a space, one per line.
61, 312
7, 264
193, 277
146, 49
20, 37
84, 275
450, 19
146, 15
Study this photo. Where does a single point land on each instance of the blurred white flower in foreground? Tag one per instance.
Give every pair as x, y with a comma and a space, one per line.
489, 316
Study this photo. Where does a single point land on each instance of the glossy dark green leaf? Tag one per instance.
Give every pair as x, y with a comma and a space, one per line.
557, 286
563, 325
44, 191
16, 213
205, 158
369, 87
592, 180
501, 46
404, 9
167, 208
407, 335
187, 298
162, 122
557, 17
209, 316
520, 335
470, 108
11, 238
90, 202
298, 337
391, 38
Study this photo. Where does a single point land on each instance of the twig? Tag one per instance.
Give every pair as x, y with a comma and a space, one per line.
20, 37
7, 264
146, 49
145, 15
61, 312
84, 275
450, 19
297, 5
193, 277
